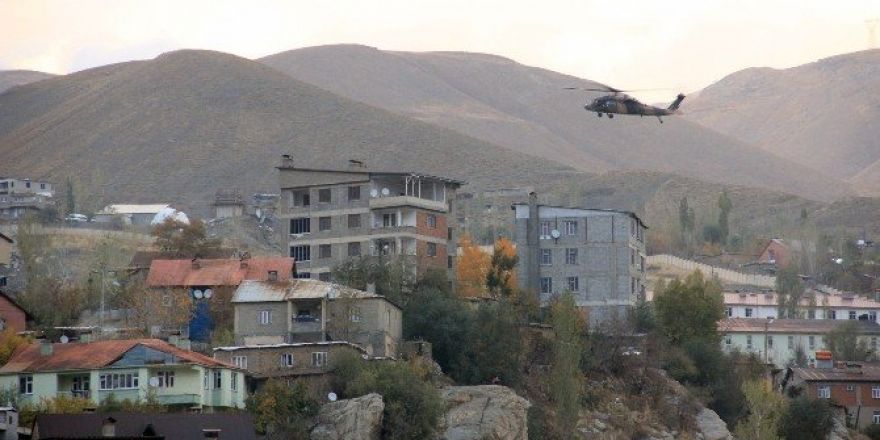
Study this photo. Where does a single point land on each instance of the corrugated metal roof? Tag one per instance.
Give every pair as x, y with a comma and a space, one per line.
812, 326
270, 291
292, 345
860, 373
94, 355
180, 425
133, 209
222, 272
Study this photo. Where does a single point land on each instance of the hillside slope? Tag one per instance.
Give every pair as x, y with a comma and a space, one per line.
525, 109
822, 114
177, 128
12, 78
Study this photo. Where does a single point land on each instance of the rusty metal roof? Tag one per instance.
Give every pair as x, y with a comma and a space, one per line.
858, 372
270, 291
810, 326
94, 355
220, 272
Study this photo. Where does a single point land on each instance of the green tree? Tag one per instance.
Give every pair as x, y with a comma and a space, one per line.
685, 219
565, 376
724, 208
500, 279
844, 344
392, 276
765, 409
282, 411
806, 419
790, 291
183, 239
493, 347
689, 309
436, 316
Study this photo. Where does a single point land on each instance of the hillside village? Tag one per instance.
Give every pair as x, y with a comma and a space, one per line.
344, 242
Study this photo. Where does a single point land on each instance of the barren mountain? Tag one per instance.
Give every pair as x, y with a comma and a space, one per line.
525, 109
12, 78
823, 114
177, 128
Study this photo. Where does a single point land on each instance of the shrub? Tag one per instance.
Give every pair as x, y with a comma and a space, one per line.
282, 411
806, 419
873, 432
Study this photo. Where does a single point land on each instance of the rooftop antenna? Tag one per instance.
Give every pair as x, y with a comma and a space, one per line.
872, 32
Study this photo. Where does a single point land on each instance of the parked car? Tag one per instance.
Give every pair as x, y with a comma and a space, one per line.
76, 218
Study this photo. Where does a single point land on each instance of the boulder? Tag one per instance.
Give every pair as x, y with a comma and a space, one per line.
350, 419
491, 412
711, 426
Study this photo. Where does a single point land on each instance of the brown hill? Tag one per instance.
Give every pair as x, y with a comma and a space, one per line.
12, 78
822, 114
176, 128
525, 109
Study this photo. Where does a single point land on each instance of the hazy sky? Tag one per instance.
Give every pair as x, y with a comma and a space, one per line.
682, 45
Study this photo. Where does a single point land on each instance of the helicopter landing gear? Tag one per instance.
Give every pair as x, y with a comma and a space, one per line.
610, 115
599, 114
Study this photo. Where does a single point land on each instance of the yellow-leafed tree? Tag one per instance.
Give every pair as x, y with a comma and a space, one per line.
473, 265
501, 277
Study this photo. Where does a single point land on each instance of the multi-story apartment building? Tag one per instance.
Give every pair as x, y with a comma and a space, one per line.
597, 254
814, 305
331, 215
20, 196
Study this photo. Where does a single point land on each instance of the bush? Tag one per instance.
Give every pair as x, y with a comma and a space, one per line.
436, 316
873, 432
282, 411
806, 419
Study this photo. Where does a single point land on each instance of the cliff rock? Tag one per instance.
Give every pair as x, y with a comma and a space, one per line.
351, 419
483, 412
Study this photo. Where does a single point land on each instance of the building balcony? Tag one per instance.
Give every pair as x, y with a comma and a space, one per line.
178, 399
306, 324
408, 201
379, 229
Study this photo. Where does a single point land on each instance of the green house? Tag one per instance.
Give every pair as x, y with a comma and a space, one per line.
128, 369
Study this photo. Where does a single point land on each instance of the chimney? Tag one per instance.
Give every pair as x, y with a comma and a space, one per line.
533, 231
211, 433
108, 428
243, 260
195, 263
273, 275
46, 348
286, 161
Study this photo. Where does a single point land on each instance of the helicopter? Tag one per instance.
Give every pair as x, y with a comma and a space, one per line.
620, 103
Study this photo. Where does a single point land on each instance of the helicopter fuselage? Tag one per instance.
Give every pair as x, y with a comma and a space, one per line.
624, 105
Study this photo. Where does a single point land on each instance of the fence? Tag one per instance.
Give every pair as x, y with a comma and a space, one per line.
81, 232
727, 275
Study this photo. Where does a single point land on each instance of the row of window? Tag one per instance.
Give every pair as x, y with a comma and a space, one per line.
325, 195
319, 359
215, 378
573, 285
853, 315
106, 382
303, 225
302, 253
811, 342
570, 228
824, 392
571, 257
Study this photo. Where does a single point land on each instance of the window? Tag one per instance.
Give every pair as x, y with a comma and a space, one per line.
634, 285
42, 186
166, 300
811, 314
354, 193
432, 249
749, 342
872, 316
287, 360
449, 233
546, 285
730, 312
302, 275
728, 340
218, 379
354, 249
325, 223
824, 391
205, 381
875, 392
876, 419
325, 251
571, 256
546, 227
319, 358
748, 312
832, 314
324, 276
354, 221
301, 225
791, 342
272, 276
240, 361
873, 343
265, 317
301, 253
234, 381
431, 221
26, 384
546, 257
573, 284
354, 315
850, 387
449, 261
852, 315
324, 195
570, 227
118, 381
166, 379
812, 342
769, 341
389, 220
299, 198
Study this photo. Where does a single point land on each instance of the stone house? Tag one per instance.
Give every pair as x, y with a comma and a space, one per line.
306, 310
12, 315
852, 386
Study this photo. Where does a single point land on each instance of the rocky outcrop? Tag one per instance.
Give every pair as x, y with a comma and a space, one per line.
711, 426
491, 412
351, 419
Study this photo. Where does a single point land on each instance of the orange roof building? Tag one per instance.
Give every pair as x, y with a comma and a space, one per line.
219, 272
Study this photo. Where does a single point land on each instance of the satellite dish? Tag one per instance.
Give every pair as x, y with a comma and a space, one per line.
385, 191
64, 339
154, 382
208, 293
331, 397
374, 193
197, 294
555, 233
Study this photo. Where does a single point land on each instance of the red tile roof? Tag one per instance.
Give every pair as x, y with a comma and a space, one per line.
225, 272
94, 355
